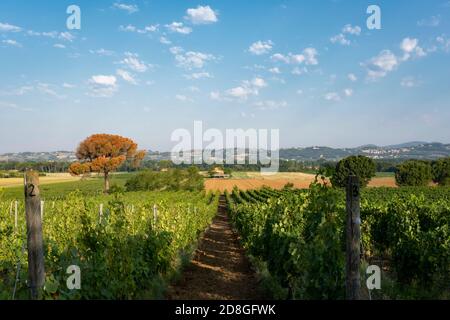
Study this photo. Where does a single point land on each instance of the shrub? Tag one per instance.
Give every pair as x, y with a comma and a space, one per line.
360, 166
172, 180
413, 173
441, 171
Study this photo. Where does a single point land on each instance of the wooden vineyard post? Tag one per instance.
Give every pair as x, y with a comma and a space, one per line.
353, 239
36, 269
155, 214
16, 204
42, 210
100, 213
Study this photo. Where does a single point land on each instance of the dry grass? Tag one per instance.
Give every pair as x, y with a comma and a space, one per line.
49, 179
277, 181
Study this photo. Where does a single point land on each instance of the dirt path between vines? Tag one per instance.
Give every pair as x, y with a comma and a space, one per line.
219, 269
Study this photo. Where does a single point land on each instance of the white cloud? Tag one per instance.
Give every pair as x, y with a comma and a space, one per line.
270, 104
299, 91
198, 75
102, 86
409, 82
51, 34
193, 89
408, 45
46, 88
348, 92
346, 30
6, 27
201, 15
410, 48
278, 57
103, 80
68, 85
242, 92
381, 65
444, 42
275, 70
386, 61
67, 36
178, 27
132, 61
147, 29
341, 39
352, 77
433, 21
102, 52
308, 56
183, 98
299, 71
247, 89
59, 46
12, 43
130, 8
128, 28
164, 40
176, 50
192, 60
261, 47
22, 90
214, 95
311, 56
151, 28
259, 82
125, 75
333, 96
349, 29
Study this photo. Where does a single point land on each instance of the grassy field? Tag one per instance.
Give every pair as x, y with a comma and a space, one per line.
57, 189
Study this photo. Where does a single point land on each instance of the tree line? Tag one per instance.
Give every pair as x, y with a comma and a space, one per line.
407, 173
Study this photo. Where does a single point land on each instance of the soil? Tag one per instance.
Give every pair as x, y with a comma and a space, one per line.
219, 269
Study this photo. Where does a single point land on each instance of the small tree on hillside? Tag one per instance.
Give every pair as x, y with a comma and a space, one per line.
104, 153
413, 173
441, 171
360, 166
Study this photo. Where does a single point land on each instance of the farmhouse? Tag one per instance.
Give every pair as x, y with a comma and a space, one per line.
219, 174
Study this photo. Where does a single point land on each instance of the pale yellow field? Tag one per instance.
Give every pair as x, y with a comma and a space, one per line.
49, 179
254, 180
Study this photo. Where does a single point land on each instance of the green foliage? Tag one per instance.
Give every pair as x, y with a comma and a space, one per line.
360, 166
441, 172
299, 237
413, 173
121, 256
296, 236
171, 180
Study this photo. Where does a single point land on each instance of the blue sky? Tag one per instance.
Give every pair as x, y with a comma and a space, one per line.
145, 68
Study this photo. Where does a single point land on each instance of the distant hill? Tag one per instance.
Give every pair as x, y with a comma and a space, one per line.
404, 151
410, 150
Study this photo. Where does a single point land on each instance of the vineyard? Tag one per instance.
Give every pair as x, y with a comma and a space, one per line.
297, 238
127, 245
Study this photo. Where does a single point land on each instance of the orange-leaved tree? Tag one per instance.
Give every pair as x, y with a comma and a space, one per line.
104, 153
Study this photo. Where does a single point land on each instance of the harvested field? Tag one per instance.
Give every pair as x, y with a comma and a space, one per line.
48, 179
254, 180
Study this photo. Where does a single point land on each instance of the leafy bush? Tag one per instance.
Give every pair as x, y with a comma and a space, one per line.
413, 173
121, 256
360, 166
171, 180
441, 171
300, 237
